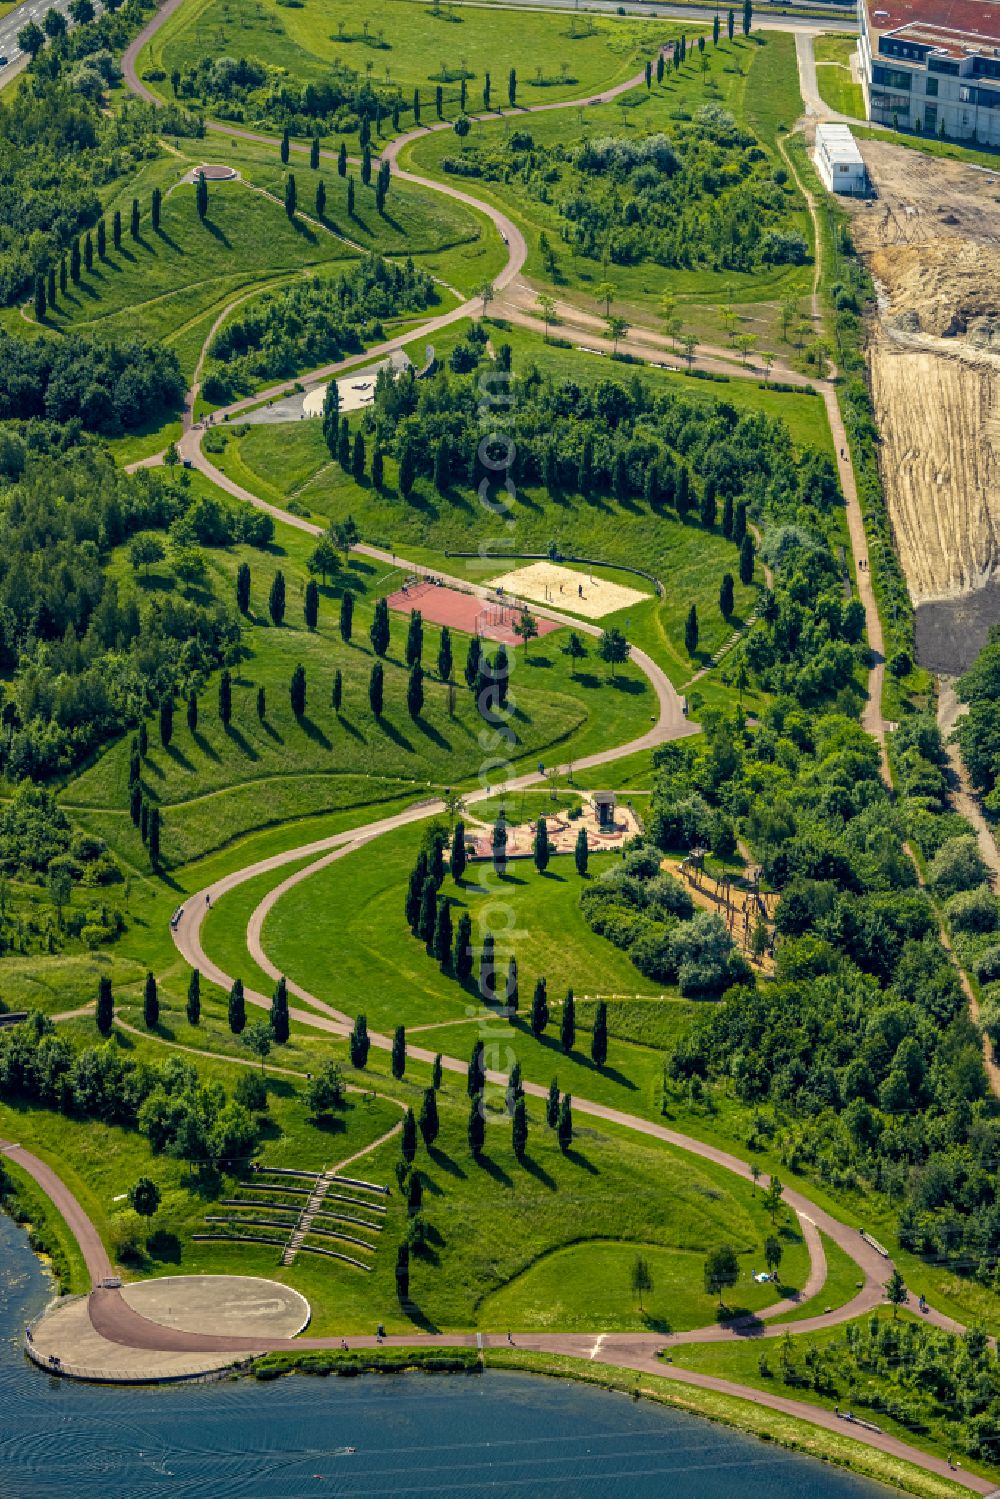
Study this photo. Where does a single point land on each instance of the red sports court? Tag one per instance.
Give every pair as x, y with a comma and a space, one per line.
492, 618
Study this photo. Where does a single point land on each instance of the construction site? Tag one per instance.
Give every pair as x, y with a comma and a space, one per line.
930, 237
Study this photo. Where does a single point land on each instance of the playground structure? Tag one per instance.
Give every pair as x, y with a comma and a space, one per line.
739, 901
604, 833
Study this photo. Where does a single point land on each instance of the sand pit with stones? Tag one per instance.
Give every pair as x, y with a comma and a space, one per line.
561, 587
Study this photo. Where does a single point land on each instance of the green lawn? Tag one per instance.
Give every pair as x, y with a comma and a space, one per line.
407, 43
369, 950
219, 783
833, 74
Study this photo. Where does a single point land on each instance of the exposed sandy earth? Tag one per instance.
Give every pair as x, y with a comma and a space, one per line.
548, 583
931, 239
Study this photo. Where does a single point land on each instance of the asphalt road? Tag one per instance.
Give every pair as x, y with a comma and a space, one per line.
31, 10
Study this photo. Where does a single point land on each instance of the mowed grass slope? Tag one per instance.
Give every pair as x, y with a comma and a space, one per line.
369, 950
496, 1229
410, 45
833, 74
217, 783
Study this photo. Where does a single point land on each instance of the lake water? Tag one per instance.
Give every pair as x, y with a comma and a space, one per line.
453, 1435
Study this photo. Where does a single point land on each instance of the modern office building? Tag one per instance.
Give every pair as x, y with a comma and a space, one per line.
933, 66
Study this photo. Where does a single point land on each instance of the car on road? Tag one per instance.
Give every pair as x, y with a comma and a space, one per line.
3, 60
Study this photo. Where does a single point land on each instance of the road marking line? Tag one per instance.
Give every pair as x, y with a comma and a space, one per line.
597, 1346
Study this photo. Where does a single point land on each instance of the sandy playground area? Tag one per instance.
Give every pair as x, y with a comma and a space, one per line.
561, 587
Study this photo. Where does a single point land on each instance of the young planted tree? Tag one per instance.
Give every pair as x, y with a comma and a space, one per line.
297, 691
477, 1126
722, 1269
727, 597
408, 1138
519, 1128
144, 1197
773, 1254
476, 1074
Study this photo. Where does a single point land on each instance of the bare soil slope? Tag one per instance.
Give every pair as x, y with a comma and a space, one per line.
932, 242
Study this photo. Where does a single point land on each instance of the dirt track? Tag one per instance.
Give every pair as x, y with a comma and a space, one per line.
932, 242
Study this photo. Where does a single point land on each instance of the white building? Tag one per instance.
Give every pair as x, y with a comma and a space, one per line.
933, 66
838, 160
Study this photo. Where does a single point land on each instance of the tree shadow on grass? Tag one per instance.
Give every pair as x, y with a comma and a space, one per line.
161, 233
350, 728
205, 748
628, 685
241, 742
216, 232
433, 734
494, 1170
165, 1247
312, 730
579, 1159
419, 1318
271, 731
539, 1173
391, 732
179, 757
445, 1162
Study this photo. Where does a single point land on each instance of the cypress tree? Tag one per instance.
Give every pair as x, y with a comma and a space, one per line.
435, 861
512, 998
746, 560
552, 1104
194, 997
476, 1076
310, 606
243, 587
337, 695
150, 1003
477, 1126
153, 836
379, 631
283, 149
415, 1194
416, 106
276, 598
408, 1139
297, 690
144, 821
708, 506
439, 102
437, 1071
40, 301
143, 739
359, 1043
429, 1122
414, 638
375, 689
565, 1125
567, 1024
201, 196
366, 165
342, 160
599, 1035
726, 596
88, 252
291, 196
427, 920
280, 1022
740, 523
102, 239
192, 712
541, 845
154, 209
403, 1272
443, 934
539, 1009
74, 262
458, 855
728, 517
398, 1058
473, 656
682, 491
134, 218
346, 616
462, 960
445, 663
581, 853
166, 721
135, 802
321, 199
314, 153
237, 1008
116, 229
487, 969
691, 631
225, 697
519, 1129
512, 87
415, 691
105, 1005
63, 278
358, 457
378, 468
